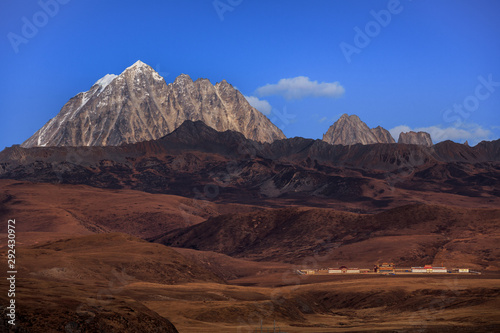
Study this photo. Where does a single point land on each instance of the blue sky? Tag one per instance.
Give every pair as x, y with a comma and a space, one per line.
421, 64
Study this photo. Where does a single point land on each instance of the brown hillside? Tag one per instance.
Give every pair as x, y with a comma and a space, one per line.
408, 235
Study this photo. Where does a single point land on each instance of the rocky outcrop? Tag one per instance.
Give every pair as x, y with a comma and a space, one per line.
382, 135
138, 105
414, 138
350, 130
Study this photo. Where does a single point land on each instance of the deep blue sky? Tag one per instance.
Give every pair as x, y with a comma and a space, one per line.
425, 60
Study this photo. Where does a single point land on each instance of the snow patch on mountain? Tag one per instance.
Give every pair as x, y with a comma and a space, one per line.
138, 105
105, 81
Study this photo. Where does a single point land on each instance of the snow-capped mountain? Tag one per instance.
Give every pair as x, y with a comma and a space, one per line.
138, 105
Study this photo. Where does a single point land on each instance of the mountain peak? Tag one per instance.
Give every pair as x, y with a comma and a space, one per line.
139, 67
414, 138
148, 110
183, 78
222, 83
345, 116
225, 86
203, 81
138, 63
349, 130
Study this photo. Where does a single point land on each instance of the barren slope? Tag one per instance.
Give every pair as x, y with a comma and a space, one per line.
53, 211
408, 235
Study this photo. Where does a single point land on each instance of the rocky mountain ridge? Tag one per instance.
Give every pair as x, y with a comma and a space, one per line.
138, 105
350, 130
196, 155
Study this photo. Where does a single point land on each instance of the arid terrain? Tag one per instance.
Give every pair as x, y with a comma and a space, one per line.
85, 263
207, 231
119, 282
230, 166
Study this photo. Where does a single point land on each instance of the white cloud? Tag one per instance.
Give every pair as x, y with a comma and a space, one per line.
300, 87
398, 129
260, 104
471, 132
